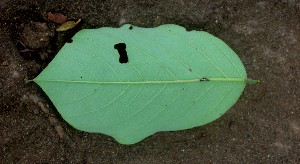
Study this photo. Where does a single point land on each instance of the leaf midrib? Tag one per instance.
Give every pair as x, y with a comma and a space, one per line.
243, 80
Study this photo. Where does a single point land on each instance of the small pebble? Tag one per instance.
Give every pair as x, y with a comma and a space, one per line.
5, 63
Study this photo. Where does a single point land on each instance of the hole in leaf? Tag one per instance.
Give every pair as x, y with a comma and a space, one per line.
121, 47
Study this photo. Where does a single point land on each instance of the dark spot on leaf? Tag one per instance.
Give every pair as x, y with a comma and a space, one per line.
166, 105
81, 77
121, 47
130, 28
188, 30
190, 69
70, 41
182, 88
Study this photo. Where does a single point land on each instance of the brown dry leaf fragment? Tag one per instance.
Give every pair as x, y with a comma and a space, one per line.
57, 17
67, 25
53, 120
42, 106
60, 131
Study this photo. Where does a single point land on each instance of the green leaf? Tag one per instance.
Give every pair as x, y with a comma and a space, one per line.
173, 80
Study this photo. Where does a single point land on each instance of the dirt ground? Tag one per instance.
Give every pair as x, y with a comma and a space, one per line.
262, 127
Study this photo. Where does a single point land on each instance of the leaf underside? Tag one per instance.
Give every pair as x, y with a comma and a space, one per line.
173, 80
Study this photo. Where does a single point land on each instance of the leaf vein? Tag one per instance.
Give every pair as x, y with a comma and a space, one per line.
153, 117
230, 60
169, 52
93, 111
197, 99
99, 60
147, 103
203, 54
142, 77
157, 61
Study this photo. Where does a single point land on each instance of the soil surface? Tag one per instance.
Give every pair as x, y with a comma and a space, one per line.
262, 127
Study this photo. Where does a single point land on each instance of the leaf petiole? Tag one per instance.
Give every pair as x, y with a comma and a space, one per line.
250, 81
247, 81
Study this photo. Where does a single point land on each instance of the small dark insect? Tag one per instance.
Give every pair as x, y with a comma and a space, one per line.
204, 79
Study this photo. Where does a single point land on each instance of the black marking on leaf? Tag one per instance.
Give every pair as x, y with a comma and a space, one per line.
121, 47
70, 41
204, 79
130, 27
81, 77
